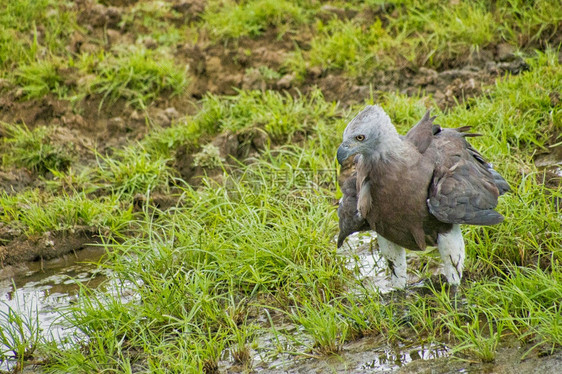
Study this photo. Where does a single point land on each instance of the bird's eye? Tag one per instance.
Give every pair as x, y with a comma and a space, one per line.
360, 137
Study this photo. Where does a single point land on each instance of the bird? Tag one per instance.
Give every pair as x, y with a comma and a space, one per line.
415, 190
350, 220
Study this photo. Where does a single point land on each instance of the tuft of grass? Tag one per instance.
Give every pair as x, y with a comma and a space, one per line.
156, 22
522, 302
439, 34
280, 115
476, 337
348, 46
164, 141
133, 170
323, 322
40, 78
367, 314
20, 334
34, 149
230, 19
31, 29
525, 23
106, 349
139, 76
36, 213
529, 299
73, 180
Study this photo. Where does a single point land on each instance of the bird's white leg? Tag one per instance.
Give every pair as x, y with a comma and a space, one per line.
396, 259
451, 249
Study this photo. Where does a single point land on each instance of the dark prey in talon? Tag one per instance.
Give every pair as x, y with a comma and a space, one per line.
416, 190
350, 220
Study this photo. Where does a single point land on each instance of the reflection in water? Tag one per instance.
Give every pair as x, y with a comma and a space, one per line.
40, 290
366, 261
390, 359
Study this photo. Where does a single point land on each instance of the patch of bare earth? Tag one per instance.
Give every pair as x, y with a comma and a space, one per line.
16, 247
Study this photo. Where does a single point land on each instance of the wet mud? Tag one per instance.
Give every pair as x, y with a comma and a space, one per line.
22, 248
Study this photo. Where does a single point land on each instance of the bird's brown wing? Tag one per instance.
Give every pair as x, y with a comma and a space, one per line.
464, 188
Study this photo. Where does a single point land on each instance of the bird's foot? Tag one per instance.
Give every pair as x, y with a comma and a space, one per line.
457, 298
438, 284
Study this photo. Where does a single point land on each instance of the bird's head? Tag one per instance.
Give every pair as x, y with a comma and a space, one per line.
370, 132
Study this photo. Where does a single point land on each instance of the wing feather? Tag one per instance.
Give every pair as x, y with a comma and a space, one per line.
464, 187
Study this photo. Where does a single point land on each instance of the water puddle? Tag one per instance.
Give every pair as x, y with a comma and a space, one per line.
367, 355
366, 262
37, 291
392, 359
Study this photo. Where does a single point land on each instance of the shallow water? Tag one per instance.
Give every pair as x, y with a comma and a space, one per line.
366, 261
367, 355
38, 290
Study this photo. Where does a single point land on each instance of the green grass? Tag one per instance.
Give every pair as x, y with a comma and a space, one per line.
529, 24
37, 213
31, 29
347, 46
282, 116
417, 33
157, 21
229, 19
138, 76
524, 303
34, 149
183, 268
518, 123
40, 78
327, 327
20, 334
131, 171
438, 33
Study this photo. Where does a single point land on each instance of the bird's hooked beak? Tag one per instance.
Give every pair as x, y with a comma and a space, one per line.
344, 151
